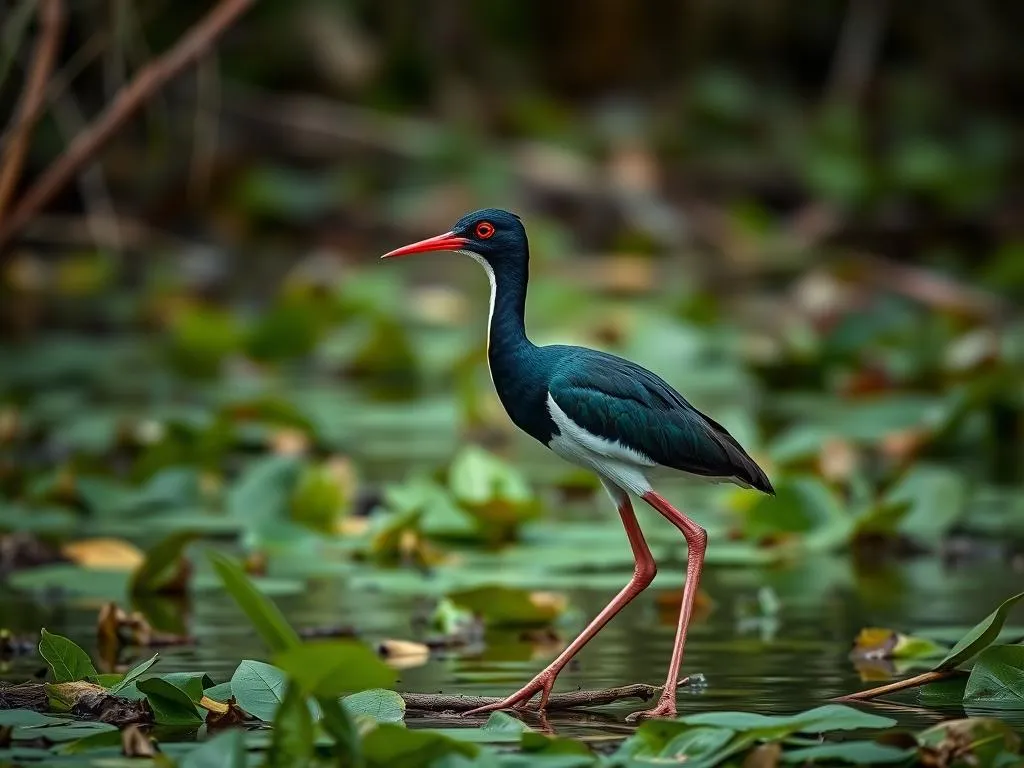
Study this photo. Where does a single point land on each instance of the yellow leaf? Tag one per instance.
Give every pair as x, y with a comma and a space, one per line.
104, 554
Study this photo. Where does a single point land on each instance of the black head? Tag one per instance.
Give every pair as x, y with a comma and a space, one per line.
490, 233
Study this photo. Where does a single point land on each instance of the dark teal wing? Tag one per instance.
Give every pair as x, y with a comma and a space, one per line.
621, 401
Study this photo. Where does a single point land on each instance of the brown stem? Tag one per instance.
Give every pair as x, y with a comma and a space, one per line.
51, 24
901, 685
196, 42
429, 702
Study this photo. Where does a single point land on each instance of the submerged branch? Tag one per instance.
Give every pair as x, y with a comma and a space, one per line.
430, 702
901, 685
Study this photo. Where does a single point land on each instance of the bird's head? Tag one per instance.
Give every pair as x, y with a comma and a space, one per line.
492, 235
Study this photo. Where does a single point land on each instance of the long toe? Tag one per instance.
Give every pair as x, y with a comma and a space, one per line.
541, 684
663, 710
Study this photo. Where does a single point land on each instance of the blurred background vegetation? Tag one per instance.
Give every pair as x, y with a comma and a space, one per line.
808, 217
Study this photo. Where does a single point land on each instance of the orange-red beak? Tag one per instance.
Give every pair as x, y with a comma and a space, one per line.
445, 242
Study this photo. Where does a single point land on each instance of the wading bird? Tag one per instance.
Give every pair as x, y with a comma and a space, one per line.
598, 411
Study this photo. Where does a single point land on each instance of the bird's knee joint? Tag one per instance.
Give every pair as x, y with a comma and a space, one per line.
697, 538
644, 573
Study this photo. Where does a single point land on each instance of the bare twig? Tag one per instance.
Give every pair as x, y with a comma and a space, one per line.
51, 23
192, 46
429, 702
902, 685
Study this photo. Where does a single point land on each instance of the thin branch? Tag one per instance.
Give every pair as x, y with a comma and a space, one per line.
51, 25
192, 46
902, 685
429, 702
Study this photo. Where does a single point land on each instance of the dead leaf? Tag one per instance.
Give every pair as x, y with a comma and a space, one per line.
104, 554
223, 714
68, 694
134, 743
403, 654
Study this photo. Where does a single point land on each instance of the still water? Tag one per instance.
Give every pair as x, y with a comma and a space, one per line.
792, 660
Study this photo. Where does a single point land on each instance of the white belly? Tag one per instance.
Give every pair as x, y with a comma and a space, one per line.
612, 460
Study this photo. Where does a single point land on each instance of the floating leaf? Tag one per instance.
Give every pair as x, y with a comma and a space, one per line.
259, 688
67, 661
997, 677
330, 668
980, 636
265, 617
377, 704
508, 606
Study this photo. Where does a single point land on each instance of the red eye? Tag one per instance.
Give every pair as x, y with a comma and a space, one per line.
484, 230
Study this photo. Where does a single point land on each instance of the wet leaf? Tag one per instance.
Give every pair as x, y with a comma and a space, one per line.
265, 617
171, 705
980, 636
67, 661
330, 668
259, 688
507, 606
997, 677
943, 693
377, 704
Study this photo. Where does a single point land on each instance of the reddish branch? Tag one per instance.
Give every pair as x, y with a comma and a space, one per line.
902, 685
51, 24
128, 101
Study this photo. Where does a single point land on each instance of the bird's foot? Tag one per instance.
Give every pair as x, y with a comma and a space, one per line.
541, 684
666, 707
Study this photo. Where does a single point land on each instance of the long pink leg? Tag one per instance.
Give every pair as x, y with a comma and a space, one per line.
696, 542
644, 571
